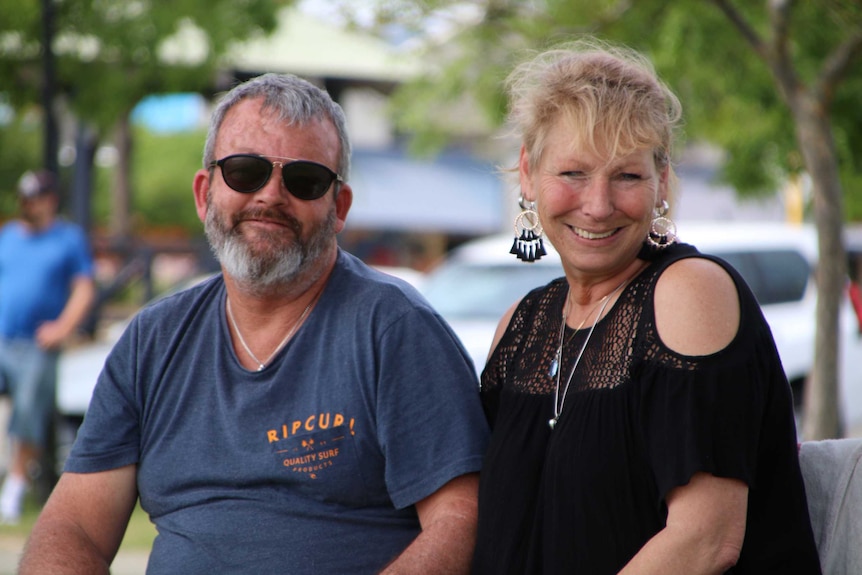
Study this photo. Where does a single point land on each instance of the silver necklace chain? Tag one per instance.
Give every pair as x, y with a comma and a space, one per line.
262, 364
558, 357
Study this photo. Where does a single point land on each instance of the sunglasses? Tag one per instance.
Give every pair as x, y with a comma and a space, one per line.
247, 173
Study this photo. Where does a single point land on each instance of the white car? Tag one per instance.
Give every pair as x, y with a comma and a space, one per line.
480, 280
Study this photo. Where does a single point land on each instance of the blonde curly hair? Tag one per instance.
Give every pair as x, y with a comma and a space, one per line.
610, 96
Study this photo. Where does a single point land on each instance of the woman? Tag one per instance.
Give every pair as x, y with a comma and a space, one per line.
642, 422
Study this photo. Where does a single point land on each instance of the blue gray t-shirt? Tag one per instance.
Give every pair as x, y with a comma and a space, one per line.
309, 466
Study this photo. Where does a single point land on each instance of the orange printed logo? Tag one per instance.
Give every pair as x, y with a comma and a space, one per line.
311, 423
309, 446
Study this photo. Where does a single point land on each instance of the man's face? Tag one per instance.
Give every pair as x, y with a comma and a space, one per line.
38, 210
270, 257
270, 237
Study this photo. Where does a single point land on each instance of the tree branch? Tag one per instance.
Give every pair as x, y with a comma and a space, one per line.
775, 55
779, 17
780, 61
749, 33
836, 65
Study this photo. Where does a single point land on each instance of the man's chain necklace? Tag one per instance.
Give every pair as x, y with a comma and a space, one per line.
294, 327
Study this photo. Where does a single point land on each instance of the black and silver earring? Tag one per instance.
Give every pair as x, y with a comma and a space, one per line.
662, 229
528, 245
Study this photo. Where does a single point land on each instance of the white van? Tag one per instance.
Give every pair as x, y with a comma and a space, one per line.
480, 280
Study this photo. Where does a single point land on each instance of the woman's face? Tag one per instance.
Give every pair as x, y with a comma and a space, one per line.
595, 210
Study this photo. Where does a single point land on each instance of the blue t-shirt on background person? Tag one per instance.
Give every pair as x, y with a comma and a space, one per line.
36, 273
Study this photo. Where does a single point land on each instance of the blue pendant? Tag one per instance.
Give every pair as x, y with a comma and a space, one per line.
555, 366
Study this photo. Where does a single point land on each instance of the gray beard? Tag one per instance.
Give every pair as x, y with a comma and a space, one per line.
283, 261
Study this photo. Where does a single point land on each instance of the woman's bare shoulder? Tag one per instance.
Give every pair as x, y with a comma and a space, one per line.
696, 307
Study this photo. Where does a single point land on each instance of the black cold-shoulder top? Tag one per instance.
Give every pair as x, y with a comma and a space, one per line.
638, 421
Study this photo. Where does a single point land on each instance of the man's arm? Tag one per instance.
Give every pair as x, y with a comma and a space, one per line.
52, 333
82, 524
448, 518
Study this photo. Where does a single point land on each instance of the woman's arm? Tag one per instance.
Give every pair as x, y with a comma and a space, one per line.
697, 313
704, 531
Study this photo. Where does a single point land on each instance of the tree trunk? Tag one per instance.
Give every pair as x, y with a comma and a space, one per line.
821, 418
122, 195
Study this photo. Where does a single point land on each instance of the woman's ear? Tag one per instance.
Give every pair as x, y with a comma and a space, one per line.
525, 176
664, 185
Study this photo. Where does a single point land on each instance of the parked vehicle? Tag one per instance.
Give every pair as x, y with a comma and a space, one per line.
480, 280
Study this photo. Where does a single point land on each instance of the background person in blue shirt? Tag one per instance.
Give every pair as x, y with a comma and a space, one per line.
46, 290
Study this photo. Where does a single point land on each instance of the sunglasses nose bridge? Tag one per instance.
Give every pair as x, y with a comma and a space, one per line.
278, 178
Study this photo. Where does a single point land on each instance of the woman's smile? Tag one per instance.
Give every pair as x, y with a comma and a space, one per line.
588, 235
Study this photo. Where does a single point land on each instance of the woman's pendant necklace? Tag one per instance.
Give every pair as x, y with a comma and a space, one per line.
554, 370
555, 363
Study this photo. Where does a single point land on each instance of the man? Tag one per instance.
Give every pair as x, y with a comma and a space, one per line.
46, 289
299, 413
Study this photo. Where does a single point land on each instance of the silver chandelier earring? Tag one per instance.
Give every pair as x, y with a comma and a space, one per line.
662, 230
528, 245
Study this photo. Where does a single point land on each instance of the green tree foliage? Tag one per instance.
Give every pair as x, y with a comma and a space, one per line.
162, 171
19, 150
164, 195
109, 55
112, 53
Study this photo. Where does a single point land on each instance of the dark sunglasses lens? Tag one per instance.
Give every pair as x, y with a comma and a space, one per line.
246, 174
306, 180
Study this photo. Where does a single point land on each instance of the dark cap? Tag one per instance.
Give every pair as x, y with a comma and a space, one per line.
34, 184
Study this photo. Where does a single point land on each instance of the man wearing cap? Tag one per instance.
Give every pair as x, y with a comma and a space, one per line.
46, 289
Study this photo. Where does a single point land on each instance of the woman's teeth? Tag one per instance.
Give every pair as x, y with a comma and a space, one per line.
590, 235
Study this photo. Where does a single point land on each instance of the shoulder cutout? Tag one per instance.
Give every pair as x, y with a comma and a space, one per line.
696, 307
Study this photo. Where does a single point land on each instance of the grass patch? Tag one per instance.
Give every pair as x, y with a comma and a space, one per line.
139, 534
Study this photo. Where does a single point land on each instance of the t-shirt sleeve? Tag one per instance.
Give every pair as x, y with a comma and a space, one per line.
430, 423
113, 406
705, 414
82, 260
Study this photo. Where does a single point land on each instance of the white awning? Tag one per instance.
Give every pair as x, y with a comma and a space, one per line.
305, 45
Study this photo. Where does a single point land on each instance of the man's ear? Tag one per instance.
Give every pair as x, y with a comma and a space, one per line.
201, 188
343, 201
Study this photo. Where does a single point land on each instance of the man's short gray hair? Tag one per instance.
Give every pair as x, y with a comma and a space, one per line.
294, 100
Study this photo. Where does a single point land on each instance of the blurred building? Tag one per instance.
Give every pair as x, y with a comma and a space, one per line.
702, 197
